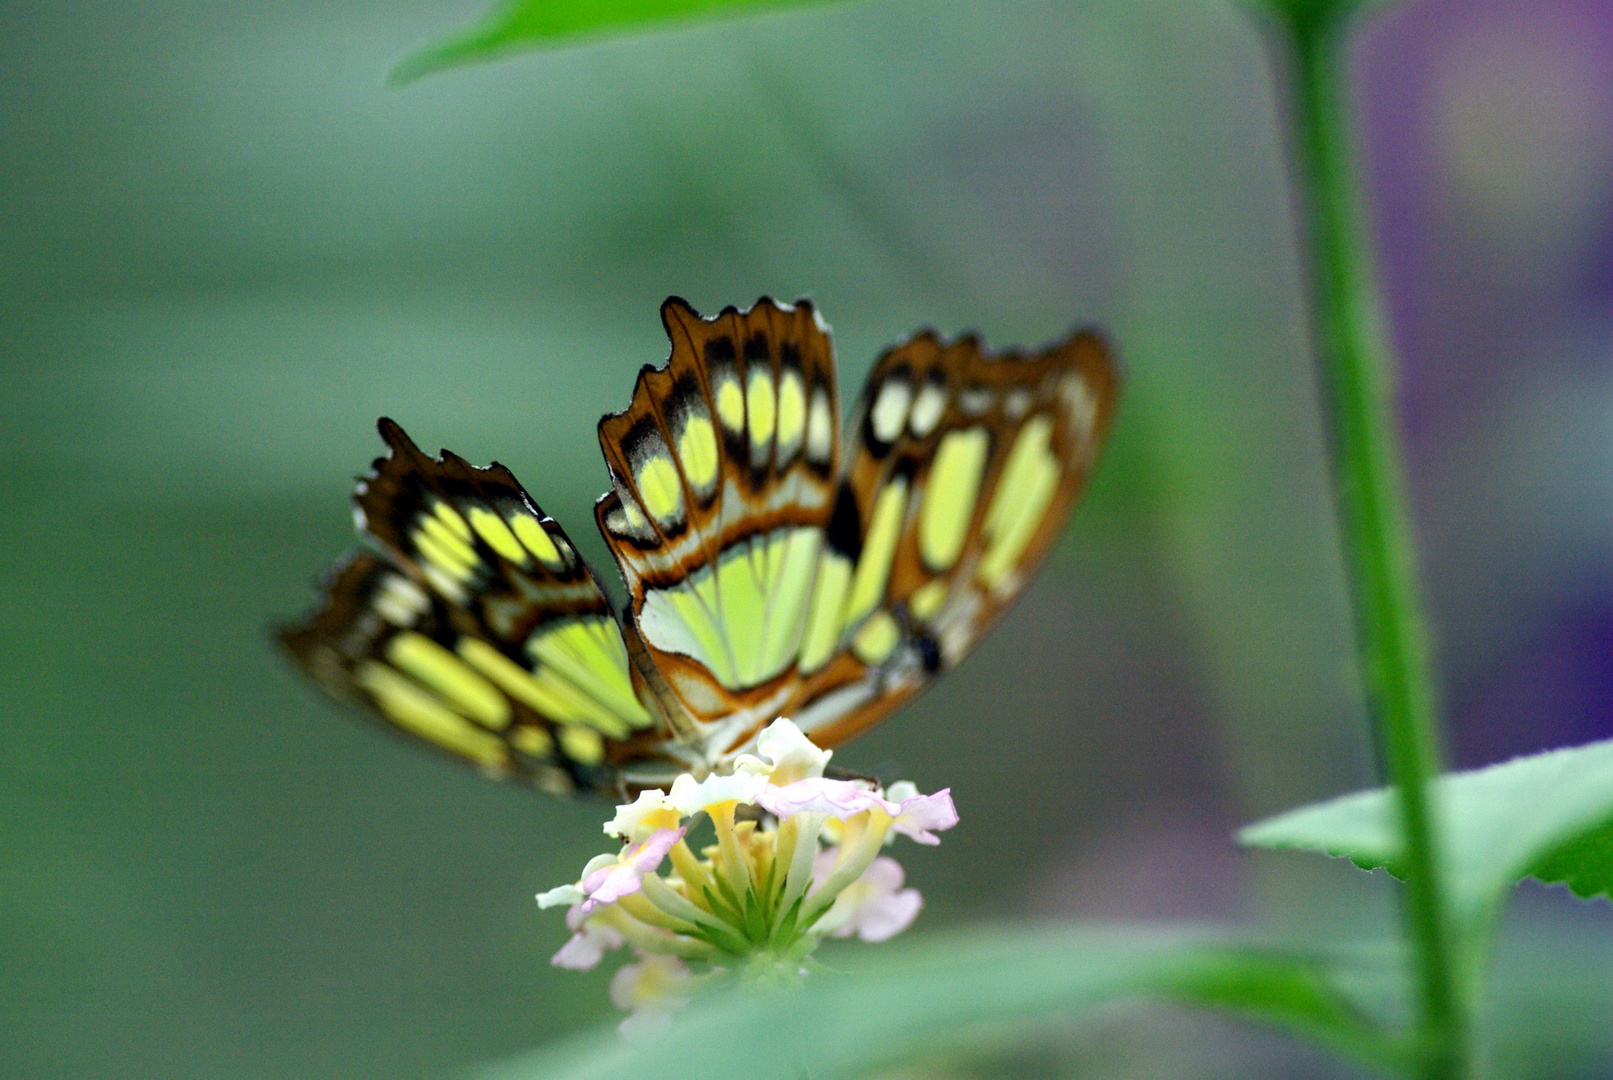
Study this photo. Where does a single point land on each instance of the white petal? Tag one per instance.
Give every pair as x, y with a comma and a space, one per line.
690, 796
629, 823
901, 791
655, 982
794, 756
563, 895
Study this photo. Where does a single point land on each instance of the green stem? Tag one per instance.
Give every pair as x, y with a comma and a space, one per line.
1355, 360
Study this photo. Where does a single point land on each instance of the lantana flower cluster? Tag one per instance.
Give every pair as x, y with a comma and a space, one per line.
796, 857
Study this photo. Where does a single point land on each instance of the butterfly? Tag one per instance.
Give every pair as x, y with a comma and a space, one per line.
773, 565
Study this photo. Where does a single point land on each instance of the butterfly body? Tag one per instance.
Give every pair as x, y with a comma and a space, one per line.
770, 570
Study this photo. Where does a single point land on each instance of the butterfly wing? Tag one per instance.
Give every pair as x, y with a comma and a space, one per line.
962, 469
479, 629
724, 469
768, 578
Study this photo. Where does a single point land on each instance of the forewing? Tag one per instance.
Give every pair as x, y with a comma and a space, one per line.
723, 470
479, 629
962, 469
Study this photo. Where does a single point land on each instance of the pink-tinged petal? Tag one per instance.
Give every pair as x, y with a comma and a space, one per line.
647, 856
884, 875
875, 907
616, 883
923, 815
837, 798
591, 882
589, 941
580, 953
609, 884
884, 916
586, 947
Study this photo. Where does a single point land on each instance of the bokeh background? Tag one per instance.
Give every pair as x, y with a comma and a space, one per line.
226, 247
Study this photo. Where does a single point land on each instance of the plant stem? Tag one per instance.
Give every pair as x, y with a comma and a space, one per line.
1355, 360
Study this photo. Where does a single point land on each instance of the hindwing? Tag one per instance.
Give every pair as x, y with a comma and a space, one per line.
479, 629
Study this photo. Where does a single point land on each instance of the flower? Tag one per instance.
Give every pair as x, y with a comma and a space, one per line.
797, 858
608, 878
608, 884
641, 817
875, 907
918, 816
590, 940
652, 989
690, 796
839, 799
792, 755
922, 816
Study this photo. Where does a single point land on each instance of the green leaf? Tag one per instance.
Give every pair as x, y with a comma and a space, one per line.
523, 24
1584, 864
899, 1000
1549, 816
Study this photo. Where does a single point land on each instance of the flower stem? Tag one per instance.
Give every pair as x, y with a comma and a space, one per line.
1354, 355
651, 940
803, 846
735, 867
689, 869
857, 853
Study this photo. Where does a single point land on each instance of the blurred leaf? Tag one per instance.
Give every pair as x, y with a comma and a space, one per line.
1548, 816
914, 998
1584, 864
521, 24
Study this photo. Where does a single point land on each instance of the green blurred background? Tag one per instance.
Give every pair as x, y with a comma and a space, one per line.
226, 247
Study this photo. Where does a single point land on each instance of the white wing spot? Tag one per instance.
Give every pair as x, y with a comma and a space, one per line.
820, 428
890, 409
927, 409
400, 601
1080, 405
791, 416
975, 401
